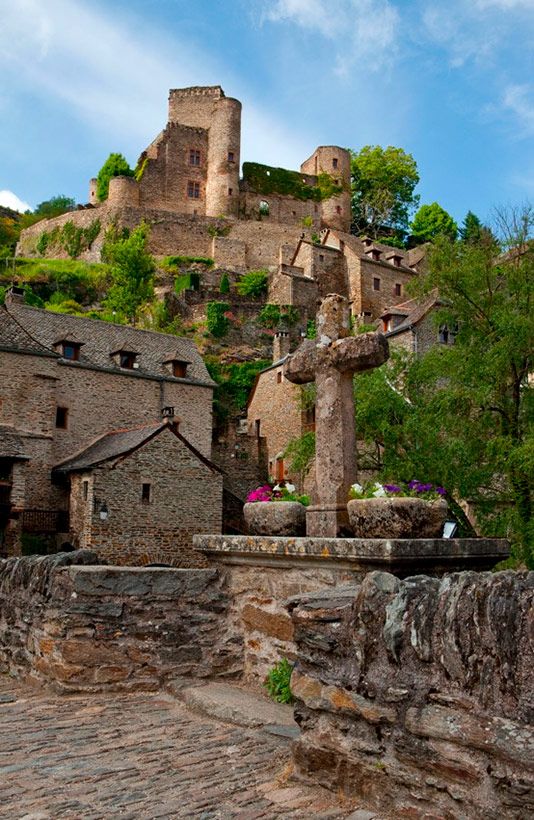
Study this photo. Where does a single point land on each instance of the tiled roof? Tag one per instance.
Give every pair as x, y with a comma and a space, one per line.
120, 443
419, 311
29, 328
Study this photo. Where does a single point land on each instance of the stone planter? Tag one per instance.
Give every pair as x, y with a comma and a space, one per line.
275, 518
397, 517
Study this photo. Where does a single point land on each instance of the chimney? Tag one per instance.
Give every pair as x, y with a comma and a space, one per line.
14, 296
281, 345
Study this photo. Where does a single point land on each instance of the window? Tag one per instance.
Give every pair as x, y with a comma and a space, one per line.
279, 469
336, 182
194, 157
230, 191
231, 156
264, 208
334, 162
257, 425
62, 414
338, 209
193, 190
70, 351
127, 360
321, 257
398, 289
146, 493
179, 369
85, 490
375, 255
376, 283
279, 377
443, 334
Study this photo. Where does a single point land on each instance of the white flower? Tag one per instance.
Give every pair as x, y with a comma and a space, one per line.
290, 487
357, 488
378, 491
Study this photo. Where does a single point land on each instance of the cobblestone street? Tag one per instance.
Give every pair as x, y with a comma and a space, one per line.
140, 756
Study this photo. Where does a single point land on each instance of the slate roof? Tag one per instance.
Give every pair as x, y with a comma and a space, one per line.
33, 329
418, 310
118, 443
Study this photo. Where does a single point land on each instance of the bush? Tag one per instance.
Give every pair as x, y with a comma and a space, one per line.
224, 286
254, 284
217, 322
179, 261
187, 281
278, 682
114, 166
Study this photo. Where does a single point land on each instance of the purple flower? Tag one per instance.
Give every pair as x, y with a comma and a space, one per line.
423, 488
392, 488
414, 483
441, 491
260, 494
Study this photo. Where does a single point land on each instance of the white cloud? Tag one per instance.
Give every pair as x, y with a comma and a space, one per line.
10, 200
113, 72
365, 31
520, 100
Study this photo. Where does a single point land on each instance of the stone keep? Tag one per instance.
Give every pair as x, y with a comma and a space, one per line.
331, 361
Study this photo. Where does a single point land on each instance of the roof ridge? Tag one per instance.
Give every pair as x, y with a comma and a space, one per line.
26, 332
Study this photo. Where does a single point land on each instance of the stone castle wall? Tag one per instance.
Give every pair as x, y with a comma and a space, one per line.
67, 621
417, 695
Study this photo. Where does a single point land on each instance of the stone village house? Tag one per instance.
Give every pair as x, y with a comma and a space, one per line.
85, 457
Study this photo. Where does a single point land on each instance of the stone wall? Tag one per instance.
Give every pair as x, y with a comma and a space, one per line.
90, 628
417, 695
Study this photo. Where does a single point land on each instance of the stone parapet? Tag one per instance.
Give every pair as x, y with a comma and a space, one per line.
416, 695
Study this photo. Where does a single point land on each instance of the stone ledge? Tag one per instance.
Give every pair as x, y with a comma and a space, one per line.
401, 555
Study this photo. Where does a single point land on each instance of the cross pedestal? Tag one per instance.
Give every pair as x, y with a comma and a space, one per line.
331, 360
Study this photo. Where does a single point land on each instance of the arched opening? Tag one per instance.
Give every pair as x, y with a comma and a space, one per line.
264, 208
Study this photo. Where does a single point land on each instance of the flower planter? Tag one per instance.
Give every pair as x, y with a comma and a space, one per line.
403, 517
275, 518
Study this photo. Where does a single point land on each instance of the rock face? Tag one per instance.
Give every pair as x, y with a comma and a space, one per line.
275, 518
397, 517
88, 627
417, 694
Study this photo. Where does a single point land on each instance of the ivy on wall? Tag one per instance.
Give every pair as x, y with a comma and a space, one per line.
71, 239
265, 180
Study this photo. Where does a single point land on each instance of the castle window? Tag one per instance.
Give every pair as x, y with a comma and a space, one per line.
338, 209
321, 257
398, 289
85, 490
230, 191
231, 156
279, 377
146, 493
127, 360
62, 414
443, 334
179, 369
194, 157
193, 190
376, 283
334, 162
264, 208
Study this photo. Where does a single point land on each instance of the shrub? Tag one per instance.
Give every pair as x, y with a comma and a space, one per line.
217, 322
224, 286
178, 261
278, 682
114, 166
187, 281
254, 284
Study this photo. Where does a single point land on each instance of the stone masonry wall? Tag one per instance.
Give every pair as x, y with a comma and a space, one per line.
93, 628
416, 695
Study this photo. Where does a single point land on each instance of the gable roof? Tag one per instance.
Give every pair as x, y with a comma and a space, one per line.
122, 443
29, 329
417, 311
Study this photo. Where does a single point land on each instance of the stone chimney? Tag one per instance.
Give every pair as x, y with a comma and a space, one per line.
281, 345
14, 296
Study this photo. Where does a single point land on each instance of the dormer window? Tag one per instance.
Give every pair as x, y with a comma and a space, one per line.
176, 367
68, 349
126, 359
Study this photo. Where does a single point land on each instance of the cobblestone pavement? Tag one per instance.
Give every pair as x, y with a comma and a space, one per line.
140, 755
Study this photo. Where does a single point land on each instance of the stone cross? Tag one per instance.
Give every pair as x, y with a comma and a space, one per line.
331, 360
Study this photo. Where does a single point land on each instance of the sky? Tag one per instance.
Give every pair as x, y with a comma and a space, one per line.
451, 82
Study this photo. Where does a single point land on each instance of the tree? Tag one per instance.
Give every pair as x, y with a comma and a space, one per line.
430, 222
115, 166
254, 284
471, 229
383, 183
55, 206
132, 273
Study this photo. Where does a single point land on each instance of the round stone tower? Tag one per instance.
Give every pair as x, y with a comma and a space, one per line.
224, 146
123, 191
334, 161
93, 199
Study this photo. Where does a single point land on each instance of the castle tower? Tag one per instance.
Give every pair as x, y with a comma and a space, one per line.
334, 161
93, 199
224, 146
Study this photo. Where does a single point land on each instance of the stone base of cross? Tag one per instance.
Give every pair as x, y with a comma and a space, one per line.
330, 361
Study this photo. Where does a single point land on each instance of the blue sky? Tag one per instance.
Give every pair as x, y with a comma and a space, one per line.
452, 83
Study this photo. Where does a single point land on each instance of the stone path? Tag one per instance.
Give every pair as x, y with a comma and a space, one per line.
141, 755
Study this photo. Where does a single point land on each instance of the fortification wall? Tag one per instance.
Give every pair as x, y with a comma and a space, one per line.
416, 695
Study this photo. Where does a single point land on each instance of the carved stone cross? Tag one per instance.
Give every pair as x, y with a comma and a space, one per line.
331, 360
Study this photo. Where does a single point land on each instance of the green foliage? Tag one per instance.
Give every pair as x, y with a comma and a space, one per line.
115, 166
3, 289
9, 232
33, 544
55, 206
71, 239
311, 329
80, 281
307, 221
383, 184
272, 315
187, 281
140, 168
224, 286
61, 303
235, 382
300, 453
286, 495
219, 230
217, 322
31, 298
266, 180
430, 222
180, 261
278, 682
132, 272
253, 284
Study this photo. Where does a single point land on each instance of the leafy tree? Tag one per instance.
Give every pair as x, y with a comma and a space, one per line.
55, 206
430, 222
132, 272
471, 228
115, 166
9, 232
253, 284
216, 321
383, 184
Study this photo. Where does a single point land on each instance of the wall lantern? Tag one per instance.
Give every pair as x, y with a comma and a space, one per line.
103, 512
